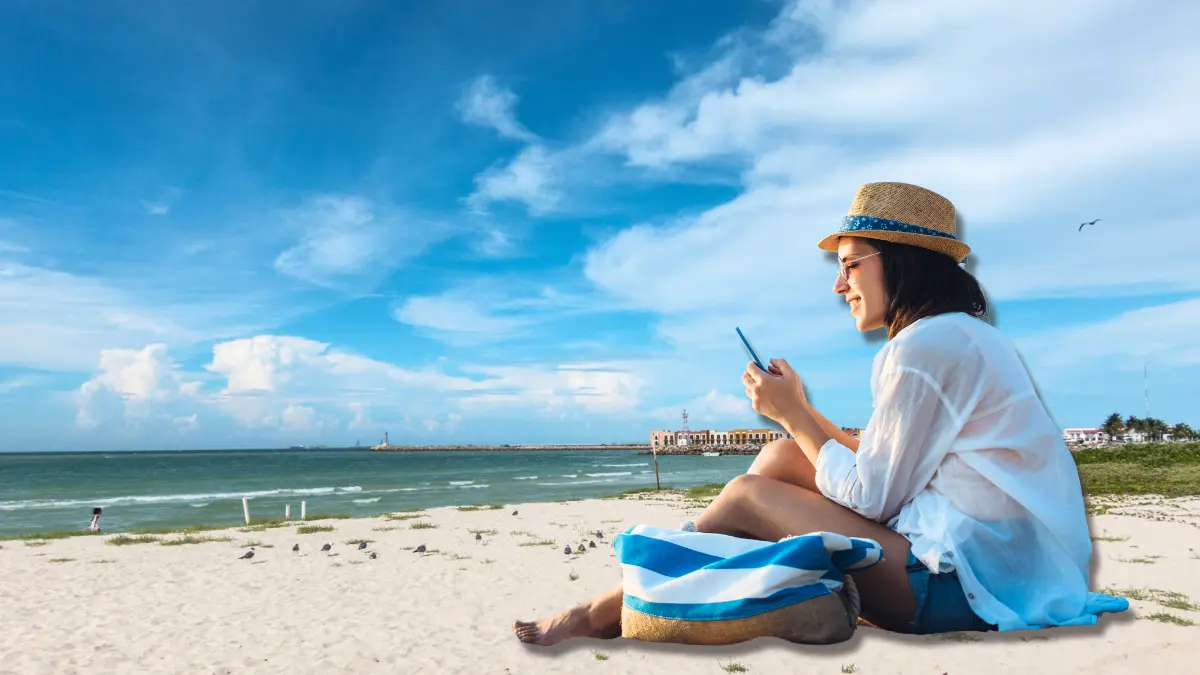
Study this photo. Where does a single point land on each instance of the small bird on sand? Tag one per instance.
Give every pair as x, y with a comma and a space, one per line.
581, 549
478, 536
296, 548
591, 544
419, 549
514, 513
373, 554
567, 549
1092, 222
247, 555
362, 545
326, 547
599, 534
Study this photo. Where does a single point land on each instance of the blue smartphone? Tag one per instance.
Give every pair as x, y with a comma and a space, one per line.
751, 350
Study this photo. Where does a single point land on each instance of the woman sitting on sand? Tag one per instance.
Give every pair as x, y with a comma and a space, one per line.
961, 475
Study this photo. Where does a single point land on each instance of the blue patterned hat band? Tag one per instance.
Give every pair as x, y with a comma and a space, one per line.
870, 223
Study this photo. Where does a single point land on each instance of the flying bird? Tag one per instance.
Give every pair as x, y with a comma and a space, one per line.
247, 555
1081, 225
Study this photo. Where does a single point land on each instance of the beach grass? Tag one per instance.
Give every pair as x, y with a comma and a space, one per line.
490, 533
313, 529
1163, 617
480, 507
423, 526
1167, 469
61, 560
356, 542
130, 539
188, 539
36, 543
1169, 599
733, 667
538, 542
404, 516
58, 534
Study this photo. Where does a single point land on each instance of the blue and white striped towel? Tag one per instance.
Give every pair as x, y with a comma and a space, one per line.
701, 576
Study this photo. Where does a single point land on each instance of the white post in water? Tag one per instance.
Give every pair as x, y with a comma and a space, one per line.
246, 510
302, 510
287, 511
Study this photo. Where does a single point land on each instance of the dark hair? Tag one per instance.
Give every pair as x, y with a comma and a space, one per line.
922, 283
95, 510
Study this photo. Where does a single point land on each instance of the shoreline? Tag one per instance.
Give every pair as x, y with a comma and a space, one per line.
694, 492
447, 583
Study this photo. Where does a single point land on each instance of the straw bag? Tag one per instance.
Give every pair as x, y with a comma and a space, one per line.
713, 589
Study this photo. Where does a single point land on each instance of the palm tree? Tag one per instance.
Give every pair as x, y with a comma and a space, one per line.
1113, 425
1155, 427
1183, 432
1134, 425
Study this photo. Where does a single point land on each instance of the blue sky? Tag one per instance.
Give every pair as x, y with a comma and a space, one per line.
226, 226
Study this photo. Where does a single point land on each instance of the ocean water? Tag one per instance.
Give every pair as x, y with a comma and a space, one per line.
42, 492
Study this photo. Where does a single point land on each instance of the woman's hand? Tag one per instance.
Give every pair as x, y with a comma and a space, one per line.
777, 394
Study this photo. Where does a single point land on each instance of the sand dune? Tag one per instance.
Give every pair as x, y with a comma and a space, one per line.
82, 605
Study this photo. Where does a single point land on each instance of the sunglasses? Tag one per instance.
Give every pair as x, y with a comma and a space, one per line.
844, 267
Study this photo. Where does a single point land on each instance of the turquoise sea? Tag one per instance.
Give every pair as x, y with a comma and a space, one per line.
42, 492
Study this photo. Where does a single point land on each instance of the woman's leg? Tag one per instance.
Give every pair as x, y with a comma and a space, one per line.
783, 460
756, 507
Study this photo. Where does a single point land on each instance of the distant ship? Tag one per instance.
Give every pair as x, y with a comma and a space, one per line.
385, 445
711, 454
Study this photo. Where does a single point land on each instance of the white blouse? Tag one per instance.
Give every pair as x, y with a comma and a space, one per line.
962, 459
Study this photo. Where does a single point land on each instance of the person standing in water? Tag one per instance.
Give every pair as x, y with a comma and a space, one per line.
95, 526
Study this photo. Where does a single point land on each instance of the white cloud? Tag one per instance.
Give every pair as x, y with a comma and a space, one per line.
994, 105
594, 387
488, 104
530, 178
187, 423
351, 243
1164, 335
156, 208
55, 320
297, 417
140, 379
448, 313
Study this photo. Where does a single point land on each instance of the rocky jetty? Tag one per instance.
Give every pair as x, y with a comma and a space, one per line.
508, 448
741, 449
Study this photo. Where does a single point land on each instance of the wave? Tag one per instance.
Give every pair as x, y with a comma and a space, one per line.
461, 482
160, 499
569, 475
618, 466
369, 500
582, 482
199, 505
464, 487
526, 478
614, 473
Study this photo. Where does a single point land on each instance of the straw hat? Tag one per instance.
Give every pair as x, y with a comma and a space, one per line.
901, 213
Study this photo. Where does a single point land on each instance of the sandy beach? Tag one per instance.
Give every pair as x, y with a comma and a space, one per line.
84, 605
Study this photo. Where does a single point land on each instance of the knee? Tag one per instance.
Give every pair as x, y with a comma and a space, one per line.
773, 456
743, 486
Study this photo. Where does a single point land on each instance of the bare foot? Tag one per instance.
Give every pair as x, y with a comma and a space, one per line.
575, 622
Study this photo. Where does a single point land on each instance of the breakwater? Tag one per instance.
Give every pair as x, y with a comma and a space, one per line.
741, 449
507, 448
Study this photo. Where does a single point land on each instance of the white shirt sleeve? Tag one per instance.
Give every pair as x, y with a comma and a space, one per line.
910, 432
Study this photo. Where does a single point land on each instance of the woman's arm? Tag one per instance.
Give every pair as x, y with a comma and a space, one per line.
835, 432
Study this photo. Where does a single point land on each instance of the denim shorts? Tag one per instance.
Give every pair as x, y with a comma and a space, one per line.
942, 605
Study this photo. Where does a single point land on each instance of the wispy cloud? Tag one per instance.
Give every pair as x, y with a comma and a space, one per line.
1024, 158
486, 103
156, 208
351, 243
530, 179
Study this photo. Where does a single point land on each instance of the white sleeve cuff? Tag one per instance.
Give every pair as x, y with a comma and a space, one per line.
836, 465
